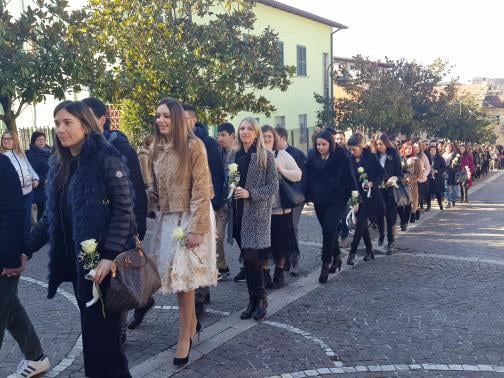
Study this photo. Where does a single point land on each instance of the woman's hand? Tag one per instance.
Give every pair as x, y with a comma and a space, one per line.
193, 241
240, 193
369, 185
102, 270
35, 183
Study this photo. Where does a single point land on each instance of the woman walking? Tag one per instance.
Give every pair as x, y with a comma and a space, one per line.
437, 176
88, 197
411, 170
369, 175
255, 187
283, 239
329, 184
467, 164
452, 161
29, 179
38, 156
184, 235
391, 163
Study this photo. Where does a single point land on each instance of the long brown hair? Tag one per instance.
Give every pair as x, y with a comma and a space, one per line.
385, 140
181, 134
15, 140
63, 156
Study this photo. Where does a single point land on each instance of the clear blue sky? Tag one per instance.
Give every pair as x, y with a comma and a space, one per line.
466, 33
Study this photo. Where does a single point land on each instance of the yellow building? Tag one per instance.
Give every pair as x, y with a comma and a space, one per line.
305, 40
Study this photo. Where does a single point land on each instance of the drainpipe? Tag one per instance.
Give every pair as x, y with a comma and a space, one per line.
331, 84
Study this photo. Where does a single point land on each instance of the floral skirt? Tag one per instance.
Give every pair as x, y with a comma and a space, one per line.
182, 269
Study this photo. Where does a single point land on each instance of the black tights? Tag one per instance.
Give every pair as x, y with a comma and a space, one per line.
253, 260
464, 191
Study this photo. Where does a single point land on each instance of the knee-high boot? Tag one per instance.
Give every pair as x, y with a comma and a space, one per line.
249, 311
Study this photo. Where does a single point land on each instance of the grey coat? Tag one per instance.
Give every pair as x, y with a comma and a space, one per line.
262, 184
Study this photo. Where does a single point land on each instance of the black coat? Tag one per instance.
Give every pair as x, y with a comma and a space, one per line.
100, 206
39, 160
121, 143
214, 162
12, 216
330, 181
392, 164
299, 156
437, 181
376, 174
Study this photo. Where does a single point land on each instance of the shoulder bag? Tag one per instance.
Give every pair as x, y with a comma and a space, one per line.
402, 196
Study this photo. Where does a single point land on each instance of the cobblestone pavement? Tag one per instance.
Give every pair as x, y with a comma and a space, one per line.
433, 309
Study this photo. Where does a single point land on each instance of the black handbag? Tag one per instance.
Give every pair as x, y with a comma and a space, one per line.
291, 193
461, 176
402, 196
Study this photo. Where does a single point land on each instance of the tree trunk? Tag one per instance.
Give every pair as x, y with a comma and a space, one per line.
8, 117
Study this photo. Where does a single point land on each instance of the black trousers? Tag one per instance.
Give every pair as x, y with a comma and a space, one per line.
424, 194
103, 351
40, 209
361, 231
390, 216
404, 213
329, 216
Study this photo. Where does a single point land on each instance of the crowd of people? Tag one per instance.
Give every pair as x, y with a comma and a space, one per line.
249, 184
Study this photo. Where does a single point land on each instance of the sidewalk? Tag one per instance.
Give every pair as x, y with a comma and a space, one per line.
418, 306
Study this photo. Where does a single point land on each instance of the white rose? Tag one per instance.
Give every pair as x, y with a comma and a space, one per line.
355, 194
178, 234
89, 246
233, 168
360, 170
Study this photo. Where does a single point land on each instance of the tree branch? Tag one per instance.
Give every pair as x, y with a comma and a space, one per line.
19, 109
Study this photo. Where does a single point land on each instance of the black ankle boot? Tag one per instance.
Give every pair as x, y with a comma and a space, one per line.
412, 218
278, 279
261, 304
369, 255
336, 264
249, 311
139, 314
324, 273
351, 258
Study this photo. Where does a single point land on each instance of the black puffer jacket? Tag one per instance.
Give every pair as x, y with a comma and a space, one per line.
122, 144
99, 204
12, 216
39, 160
329, 181
214, 162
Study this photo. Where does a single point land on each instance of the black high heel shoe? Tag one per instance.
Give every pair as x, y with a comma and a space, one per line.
336, 265
324, 273
182, 361
198, 329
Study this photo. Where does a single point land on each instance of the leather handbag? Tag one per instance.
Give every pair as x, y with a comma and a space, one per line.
402, 196
134, 280
461, 176
291, 193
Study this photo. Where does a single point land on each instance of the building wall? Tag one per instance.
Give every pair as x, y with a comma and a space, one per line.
294, 30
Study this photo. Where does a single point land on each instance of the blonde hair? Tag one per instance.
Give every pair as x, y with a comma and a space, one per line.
15, 140
261, 151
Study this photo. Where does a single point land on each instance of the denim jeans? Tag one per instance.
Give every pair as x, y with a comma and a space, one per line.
14, 318
452, 193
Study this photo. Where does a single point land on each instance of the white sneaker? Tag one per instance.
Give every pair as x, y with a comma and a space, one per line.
27, 369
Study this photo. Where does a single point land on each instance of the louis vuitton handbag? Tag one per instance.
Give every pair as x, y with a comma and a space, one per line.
134, 280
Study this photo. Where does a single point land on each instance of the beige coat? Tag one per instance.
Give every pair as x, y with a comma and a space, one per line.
191, 192
144, 157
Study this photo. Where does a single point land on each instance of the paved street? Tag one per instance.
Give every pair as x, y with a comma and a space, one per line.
435, 308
